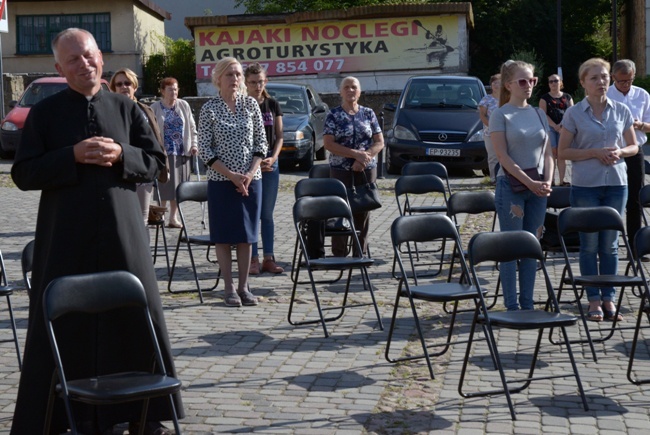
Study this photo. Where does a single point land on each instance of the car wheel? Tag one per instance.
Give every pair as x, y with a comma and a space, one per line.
321, 154
308, 161
391, 167
5, 154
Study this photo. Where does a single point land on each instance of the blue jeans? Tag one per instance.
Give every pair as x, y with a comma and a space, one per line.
518, 211
603, 245
270, 185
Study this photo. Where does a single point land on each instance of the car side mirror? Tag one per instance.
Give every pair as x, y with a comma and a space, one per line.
13, 103
320, 108
391, 107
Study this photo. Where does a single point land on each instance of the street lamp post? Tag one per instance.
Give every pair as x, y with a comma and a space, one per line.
559, 38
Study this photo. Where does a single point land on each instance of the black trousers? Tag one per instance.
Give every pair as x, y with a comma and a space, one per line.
635, 181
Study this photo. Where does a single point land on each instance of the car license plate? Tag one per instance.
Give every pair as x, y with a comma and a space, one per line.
445, 152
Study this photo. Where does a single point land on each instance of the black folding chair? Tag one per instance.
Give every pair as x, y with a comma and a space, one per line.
193, 192
558, 200
644, 200
414, 195
94, 295
159, 224
642, 247
470, 203
593, 220
503, 247
426, 229
26, 264
322, 208
316, 232
7, 290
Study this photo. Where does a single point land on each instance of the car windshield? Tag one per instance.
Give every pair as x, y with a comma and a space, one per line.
38, 91
291, 100
436, 93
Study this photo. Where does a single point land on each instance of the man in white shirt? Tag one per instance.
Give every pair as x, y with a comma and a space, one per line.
638, 101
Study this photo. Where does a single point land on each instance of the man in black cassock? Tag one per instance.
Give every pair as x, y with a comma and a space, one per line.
86, 148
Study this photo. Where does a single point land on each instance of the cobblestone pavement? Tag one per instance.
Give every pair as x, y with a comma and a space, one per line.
248, 370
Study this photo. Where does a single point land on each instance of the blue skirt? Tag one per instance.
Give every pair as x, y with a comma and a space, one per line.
234, 218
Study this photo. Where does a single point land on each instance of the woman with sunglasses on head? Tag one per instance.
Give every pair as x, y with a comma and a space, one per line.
255, 78
519, 135
554, 104
597, 135
125, 82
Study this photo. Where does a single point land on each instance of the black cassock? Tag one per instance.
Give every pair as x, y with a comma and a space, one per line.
89, 220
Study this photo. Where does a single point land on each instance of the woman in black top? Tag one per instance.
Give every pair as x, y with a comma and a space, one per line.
554, 104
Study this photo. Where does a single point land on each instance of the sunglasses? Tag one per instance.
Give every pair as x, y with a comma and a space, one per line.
554, 81
120, 84
523, 82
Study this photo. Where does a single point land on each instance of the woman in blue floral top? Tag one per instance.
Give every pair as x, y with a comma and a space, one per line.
353, 137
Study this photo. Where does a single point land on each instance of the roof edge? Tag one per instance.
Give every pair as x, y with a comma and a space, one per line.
379, 11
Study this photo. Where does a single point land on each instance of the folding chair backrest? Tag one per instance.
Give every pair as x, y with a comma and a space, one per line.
419, 184
319, 171
92, 294
559, 197
421, 168
320, 187
192, 191
589, 220
320, 208
26, 263
642, 242
422, 228
504, 246
471, 203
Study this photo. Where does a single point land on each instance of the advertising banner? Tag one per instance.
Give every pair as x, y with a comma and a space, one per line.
335, 46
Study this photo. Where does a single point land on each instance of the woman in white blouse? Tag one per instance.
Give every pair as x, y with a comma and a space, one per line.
232, 143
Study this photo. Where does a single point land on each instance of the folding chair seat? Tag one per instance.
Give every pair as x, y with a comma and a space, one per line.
642, 247
104, 294
7, 290
593, 220
425, 229
512, 246
433, 168
413, 194
191, 192
321, 186
322, 208
26, 264
159, 224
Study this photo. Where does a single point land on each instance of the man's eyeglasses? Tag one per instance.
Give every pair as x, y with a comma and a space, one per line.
523, 82
624, 82
257, 84
120, 84
554, 81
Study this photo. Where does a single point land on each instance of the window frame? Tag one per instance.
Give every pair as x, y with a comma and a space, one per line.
49, 25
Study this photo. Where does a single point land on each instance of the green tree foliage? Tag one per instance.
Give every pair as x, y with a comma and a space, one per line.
502, 28
177, 61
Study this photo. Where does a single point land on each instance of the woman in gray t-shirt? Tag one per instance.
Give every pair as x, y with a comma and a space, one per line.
519, 134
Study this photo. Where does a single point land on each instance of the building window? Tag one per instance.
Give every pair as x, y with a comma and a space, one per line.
35, 32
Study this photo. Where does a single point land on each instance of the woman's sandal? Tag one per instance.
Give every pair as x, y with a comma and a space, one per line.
611, 314
595, 316
231, 299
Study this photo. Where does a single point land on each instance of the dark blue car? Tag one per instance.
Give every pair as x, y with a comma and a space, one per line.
437, 119
303, 118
